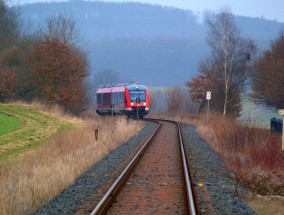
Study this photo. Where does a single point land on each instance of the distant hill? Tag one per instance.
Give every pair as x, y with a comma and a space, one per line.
153, 45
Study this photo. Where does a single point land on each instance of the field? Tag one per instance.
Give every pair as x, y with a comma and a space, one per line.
25, 127
43, 152
259, 113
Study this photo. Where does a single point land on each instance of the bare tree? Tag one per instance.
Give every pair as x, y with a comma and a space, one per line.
229, 62
63, 28
157, 100
268, 75
174, 100
9, 24
105, 77
231, 53
153, 101
100, 78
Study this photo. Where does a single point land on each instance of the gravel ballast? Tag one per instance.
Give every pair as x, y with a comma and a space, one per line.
216, 196
213, 182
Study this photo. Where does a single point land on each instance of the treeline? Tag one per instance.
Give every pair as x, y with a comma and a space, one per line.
154, 39
47, 66
108, 20
234, 62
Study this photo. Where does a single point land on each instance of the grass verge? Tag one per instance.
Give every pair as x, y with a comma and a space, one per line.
36, 176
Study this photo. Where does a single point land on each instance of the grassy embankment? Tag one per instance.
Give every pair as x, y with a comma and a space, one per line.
23, 128
31, 176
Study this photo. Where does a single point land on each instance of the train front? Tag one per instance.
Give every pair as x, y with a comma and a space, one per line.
137, 100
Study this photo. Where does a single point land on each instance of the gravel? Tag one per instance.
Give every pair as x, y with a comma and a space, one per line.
216, 193
216, 196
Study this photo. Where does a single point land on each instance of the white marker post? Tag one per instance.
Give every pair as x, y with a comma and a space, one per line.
208, 97
281, 112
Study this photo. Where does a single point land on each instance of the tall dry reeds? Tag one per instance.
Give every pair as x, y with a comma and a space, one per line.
35, 177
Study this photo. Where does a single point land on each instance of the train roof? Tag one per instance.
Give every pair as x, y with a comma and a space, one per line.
118, 89
136, 87
104, 90
121, 88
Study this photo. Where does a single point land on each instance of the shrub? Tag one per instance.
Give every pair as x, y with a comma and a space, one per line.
254, 154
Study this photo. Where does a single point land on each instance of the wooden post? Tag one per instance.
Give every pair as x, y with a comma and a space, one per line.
281, 112
112, 107
96, 134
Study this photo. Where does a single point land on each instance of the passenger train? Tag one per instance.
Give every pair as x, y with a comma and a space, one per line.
131, 100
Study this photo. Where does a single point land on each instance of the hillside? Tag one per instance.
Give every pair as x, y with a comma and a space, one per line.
154, 45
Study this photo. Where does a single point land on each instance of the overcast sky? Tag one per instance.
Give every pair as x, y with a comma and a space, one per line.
269, 9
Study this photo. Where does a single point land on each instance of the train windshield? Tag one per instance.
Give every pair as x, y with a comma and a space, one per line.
137, 94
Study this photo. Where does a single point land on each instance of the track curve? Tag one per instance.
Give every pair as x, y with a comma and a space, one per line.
159, 184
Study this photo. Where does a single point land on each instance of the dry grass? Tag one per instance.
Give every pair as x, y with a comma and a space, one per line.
254, 154
266, 205
55, 110
33, 178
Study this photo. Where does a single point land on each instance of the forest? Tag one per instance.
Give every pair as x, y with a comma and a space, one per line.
140, 42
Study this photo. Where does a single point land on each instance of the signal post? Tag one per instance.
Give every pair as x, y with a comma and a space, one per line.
208, 97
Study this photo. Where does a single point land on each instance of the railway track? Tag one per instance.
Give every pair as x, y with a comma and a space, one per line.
156, 180
160, 192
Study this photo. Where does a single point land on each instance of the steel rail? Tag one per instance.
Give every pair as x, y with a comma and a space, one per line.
111, 194
189, 191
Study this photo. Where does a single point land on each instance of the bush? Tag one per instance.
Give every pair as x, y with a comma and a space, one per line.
254, 154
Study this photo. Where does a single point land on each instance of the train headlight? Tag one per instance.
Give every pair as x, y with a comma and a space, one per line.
131, 104
144, 103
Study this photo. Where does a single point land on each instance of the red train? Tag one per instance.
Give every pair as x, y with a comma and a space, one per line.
130, 100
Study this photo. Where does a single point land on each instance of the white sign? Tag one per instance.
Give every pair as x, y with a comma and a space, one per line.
281, 112
208, 95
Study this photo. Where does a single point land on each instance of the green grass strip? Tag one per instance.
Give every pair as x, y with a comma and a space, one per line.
8, 124
23, 128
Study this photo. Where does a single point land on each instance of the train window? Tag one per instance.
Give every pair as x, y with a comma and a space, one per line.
137, 94
121, 98
99, 98
106, 98
115, 98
